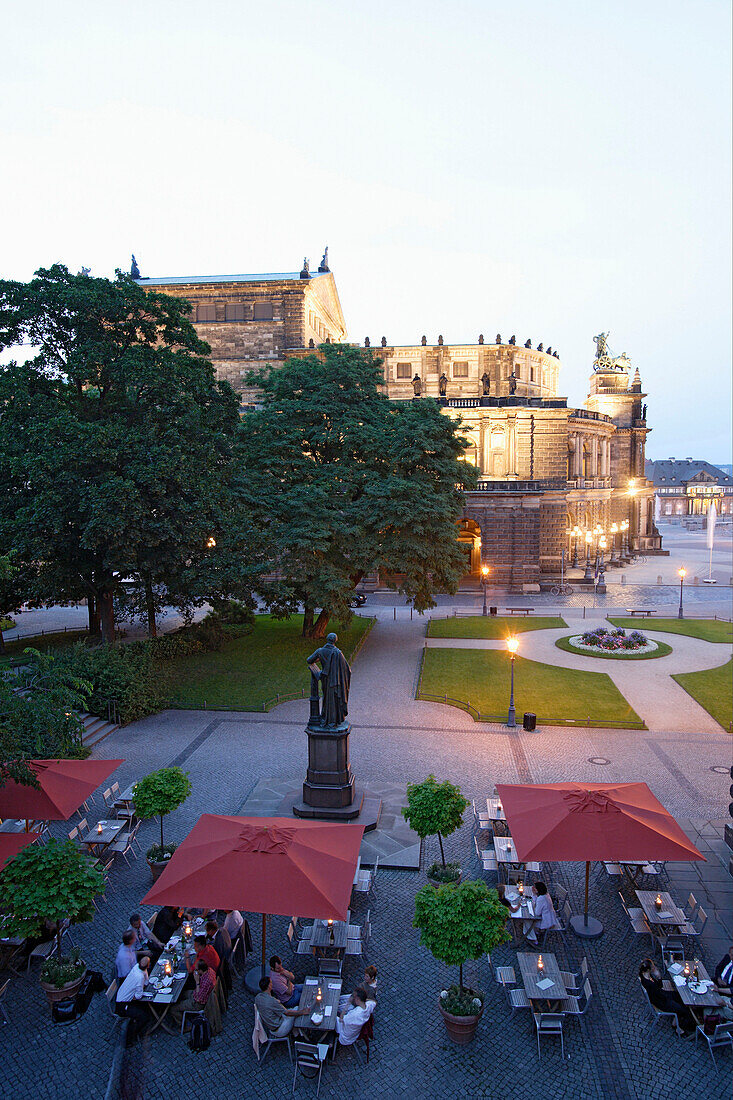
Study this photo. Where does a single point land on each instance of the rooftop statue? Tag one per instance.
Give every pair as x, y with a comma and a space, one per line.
417, 385
512, 383
323, 267
498, 337
601, 342
134, 270
334, 677
442, 384
486, 384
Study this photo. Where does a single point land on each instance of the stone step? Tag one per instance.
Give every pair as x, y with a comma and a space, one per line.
96, 729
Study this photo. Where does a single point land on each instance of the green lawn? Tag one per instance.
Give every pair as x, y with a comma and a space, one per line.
558, 696
709, 630
661, 651
713, 689
480, 626
45, 643
248, 673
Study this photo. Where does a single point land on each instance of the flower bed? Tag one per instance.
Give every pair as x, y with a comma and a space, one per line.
612, 643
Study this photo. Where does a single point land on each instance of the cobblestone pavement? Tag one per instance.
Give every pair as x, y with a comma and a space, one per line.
610, 1052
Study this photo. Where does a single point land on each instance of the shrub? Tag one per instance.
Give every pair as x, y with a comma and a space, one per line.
449, 873
434, 809
461, 1002
124, 674
234, 613
157, 853
160, 793
460, 922
60, 970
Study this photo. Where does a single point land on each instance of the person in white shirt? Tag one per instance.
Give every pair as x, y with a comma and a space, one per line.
233, 922
544, 912
349, 1023
126, 956
127, 1001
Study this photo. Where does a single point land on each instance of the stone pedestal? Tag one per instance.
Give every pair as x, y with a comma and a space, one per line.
329, 790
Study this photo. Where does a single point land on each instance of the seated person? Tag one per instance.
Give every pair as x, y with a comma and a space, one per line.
283, 986
167, 923
219, 939
128, 999
369, 985
233, 922
277, 1020
204, 952
666, 1000
544, 911
513, 906
143, 934
126, 956
195, 1000
723, 976
349, 1022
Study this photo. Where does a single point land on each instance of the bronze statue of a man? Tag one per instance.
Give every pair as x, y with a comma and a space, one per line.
334, 676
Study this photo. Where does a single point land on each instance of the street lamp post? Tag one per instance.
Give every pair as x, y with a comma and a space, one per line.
613, 560
576, 535
601, 585
625, 541
512, 645
484, 582
588, 575
683, 573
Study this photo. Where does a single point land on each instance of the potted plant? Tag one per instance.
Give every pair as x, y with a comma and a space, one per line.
436, 809
458, 923
52, 882
156, 795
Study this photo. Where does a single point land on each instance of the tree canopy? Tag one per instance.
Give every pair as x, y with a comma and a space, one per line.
460, 922
160, 793
117, 444
344, 482
434, 809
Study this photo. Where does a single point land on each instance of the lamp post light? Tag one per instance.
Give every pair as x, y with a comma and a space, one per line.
597, 532
613, 560
576, 535
683, 573
588, 575
625, 541
484, 582
512, 645
601, 584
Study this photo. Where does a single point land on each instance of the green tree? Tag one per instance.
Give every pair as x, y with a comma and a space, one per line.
343, 482
434, 809
160, 793
15, 584
48, 882
117, 444
460, 922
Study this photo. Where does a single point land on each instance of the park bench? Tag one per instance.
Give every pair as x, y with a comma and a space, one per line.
640, 611
519, 610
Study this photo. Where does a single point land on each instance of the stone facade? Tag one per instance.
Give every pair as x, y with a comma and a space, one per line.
545, 468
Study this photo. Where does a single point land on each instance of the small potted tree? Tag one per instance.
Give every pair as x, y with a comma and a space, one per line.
436, 809
156, 795
458, 923
52, 882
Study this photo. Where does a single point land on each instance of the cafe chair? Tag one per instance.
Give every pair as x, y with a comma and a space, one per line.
575, 1006
83, 828
48, 948
3, 1009
373, 880
558, 894
189, 1015
483, 853
517, 998
330, 967
656, 1013
573, 981
123, 845
691, 907
271, 1039
503, 975
614, 869
309, 1059
481, 820
695, 926
111, 997
366, 1035
108, 799
720, 1037
548, 1023
637, 920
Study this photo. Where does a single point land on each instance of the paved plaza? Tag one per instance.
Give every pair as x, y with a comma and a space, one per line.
396, 739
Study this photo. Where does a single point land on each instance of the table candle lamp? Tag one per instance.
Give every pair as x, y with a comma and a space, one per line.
187, 930
319, 996
167, 968
520, 888
686, 971
658, 902
100, 828
540, 964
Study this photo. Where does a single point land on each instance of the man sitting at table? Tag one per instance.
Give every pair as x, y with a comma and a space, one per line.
723, 975
349, 1022
277, 1020
126, 956
127, 1001
369, 985
144, 937
195, 1000
204, 953
283, 986
233, 921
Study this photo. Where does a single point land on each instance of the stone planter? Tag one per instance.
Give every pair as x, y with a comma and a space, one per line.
54, 994
156, 869
461, 1029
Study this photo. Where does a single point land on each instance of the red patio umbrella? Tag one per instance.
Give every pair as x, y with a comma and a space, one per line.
12, 843
264, 865
570, 822
64, 786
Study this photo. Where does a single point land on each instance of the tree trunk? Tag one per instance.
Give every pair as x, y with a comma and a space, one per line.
107, 616
58, 939
150, 604
318, 630
93, 614
161, 835
307, 621
442, 853
2, 642
460, 977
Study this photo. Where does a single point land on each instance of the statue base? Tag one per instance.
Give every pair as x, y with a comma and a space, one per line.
329, 791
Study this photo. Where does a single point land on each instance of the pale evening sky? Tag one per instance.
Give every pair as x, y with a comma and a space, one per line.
550, 170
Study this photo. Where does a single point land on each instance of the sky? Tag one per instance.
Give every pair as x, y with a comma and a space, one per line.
552, 170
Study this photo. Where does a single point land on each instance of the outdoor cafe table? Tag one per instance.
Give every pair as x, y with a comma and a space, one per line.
330, 993
526, 909
127, 796
531, 977
709, 999
161, 999
356, 872
506, 853
319, 936
669, 916
10, 825
97, 841
495, 810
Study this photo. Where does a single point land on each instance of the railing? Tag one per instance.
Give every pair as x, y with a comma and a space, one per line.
487, 485
586, 414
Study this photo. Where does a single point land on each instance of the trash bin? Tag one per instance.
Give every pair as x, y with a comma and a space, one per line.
529, 722
493, 610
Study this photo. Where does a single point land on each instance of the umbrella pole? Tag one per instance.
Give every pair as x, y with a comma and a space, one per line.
253, 975
264, 940
588, 928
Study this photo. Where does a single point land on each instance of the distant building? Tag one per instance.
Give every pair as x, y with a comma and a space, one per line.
686, 486
549, 472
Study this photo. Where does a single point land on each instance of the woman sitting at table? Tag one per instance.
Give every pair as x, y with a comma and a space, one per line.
369, 985
666, 1000
545, 916
723, 976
